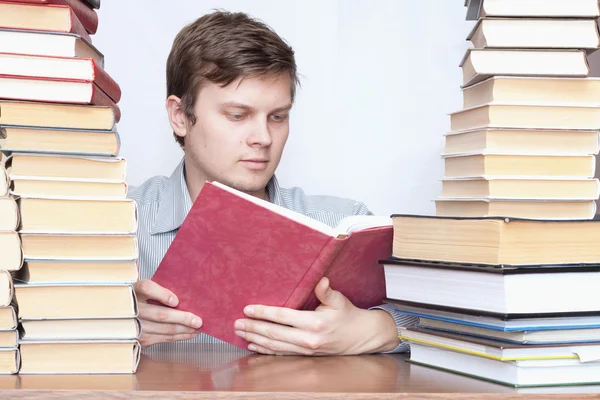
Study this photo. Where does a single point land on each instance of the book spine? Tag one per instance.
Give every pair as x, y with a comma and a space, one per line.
87, 16
77, 27
303, 296
105, 82
99, 98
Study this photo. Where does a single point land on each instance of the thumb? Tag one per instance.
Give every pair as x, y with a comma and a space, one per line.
329, 297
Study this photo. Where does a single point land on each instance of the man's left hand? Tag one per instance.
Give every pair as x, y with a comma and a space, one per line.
336, 327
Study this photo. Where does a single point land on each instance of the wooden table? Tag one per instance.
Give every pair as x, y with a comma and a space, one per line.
214, 371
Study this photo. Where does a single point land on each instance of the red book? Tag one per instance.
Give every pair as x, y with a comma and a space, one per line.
234, 249
55, 91
39, 17
87, 16
75, 69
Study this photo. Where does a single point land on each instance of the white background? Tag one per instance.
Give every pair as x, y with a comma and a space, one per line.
379, 78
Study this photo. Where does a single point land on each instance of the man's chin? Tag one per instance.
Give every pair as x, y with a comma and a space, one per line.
251, 186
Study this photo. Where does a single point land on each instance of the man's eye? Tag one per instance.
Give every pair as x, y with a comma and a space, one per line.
236, 117
278, 118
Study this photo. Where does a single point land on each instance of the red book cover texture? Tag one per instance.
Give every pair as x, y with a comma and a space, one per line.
230, 253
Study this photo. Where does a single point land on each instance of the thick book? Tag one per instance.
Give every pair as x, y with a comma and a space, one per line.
233, 250
496, 241
525, 373
80, 142
532, 8
535, 33
32, 68
56, 91
481, 64
515, 291
48, 43
523, 141
57, 115
41, 17
86, 14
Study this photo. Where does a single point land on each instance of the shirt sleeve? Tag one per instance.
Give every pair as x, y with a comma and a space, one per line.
401, 320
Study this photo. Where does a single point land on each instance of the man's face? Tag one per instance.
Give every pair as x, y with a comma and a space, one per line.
240, 131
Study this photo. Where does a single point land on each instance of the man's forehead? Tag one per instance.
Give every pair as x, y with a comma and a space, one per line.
250, 92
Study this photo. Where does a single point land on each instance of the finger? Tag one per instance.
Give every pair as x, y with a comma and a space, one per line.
329, 297
151, 312
150, 290
149, 340
284, 316
271, 346
282, 333
152, 327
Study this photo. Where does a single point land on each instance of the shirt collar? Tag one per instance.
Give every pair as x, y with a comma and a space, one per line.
175, 202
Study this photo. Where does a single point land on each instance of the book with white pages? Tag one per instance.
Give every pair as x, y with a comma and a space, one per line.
557, 336
532, 8
535, 33
479, 64
480, 320
500, 350
4, 181
520, 374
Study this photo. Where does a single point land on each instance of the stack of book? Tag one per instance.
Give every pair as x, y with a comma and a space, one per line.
524, 144
505, 277
69, 230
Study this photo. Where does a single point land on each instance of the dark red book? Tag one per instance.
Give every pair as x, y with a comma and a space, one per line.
55, 91
234, 249
73, 69
40, 17
87, 16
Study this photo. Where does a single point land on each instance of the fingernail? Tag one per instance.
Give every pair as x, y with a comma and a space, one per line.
196, 323
252, 347
239, 325
240, 334
249, 310
172, 301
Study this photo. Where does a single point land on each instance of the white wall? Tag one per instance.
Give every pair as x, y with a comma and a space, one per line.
378, 80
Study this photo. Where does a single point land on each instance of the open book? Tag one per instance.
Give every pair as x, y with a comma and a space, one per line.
233, 250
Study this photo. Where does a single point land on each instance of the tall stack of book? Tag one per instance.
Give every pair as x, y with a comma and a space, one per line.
70, 238
505, 276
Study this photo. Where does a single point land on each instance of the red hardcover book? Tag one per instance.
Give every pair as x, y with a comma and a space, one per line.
234, 249
76, 69
39, 17
55, 91
87, 16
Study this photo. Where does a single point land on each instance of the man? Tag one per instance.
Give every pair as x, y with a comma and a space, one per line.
231, 82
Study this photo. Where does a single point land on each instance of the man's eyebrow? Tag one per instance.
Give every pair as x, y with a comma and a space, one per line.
236, 105
287, 107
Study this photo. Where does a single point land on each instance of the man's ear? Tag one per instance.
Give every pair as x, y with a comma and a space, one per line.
176, 114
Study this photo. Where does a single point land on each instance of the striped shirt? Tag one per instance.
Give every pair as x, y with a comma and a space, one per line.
163, 203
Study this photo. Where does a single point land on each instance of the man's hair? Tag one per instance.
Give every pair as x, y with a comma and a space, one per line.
221, 47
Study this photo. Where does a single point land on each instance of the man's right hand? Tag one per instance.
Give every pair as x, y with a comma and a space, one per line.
162, 324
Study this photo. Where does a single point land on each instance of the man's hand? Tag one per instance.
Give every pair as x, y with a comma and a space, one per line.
159, 323
335, 327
